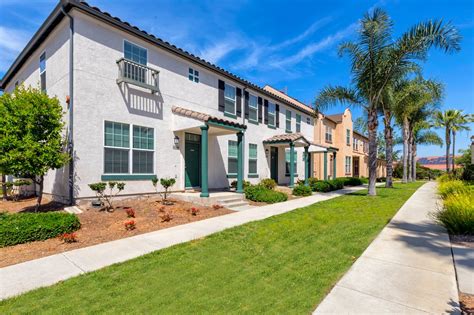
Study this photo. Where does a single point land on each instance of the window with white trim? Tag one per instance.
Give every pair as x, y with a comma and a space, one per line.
328, 134
355, 144
287, 162
193, 75
229, 99
298, 123
252, 158
232, 157
288, 121
42, 71
117, 159
138, 55
348, 165
253, 108
271, 114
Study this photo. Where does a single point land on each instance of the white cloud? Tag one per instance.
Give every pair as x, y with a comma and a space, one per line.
219, 49
309, 31
12, 42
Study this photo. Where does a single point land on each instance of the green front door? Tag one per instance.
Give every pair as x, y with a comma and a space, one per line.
274, 163
192, 160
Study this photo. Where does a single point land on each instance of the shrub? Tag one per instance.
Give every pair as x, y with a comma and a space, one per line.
194, 211
166, 217
268, 183
381, 179
321, 186
352, 181
106, 198
446, 177
217, 206
130, 225
302, 190
259, 193
448, 188
364, 180
130, 212
312, 181
457, 214
68, 237
245, 183
336, 183
300, 182
468, 173
18, 228
166, 183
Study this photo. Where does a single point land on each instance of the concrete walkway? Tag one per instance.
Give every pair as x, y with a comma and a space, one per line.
408, 268
46, 271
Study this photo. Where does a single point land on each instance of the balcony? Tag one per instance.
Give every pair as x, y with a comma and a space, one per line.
137, 74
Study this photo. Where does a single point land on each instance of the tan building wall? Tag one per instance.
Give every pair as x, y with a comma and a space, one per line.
349, 148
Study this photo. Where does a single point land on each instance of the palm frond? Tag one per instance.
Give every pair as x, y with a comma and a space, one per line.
333, 95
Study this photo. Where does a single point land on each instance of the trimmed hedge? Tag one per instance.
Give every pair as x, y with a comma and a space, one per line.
302, 190
352, 181
321, 186
18, 228
337, 183
260, 193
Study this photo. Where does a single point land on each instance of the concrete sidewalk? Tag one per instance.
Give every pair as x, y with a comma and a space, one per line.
46, 271
408, 268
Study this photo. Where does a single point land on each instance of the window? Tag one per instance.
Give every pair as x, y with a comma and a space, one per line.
229, 99
138, 55
328, 134
253, 108
348, 137
308, 120
271, 114
298, 123
348, 165
252, 158
232, 157
42, 67
143, 146
288, 121
355, 144
117, 149
193, 75
287, 164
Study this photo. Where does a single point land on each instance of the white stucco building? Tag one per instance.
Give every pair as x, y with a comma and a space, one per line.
137, 107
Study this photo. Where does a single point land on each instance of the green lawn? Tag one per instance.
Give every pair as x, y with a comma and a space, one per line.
284, 264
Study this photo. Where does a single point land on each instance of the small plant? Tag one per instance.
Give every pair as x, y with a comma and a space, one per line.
14, 188
130, 213
68, 237
194, 211
258, 193
166, 217
268, 183
130, 225
245, 184
217, 206
457, 214
302, 190
107, 197
166, 183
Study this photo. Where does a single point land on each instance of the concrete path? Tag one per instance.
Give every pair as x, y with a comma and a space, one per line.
46, 271
408, 268
464, 263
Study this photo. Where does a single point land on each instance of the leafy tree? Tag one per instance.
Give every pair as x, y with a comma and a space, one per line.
377, 60
31, 135
465, 158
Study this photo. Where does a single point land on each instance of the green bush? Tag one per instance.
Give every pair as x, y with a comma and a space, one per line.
352, 181
259, 193
381, 179
446, 177
468, 173
302, 190
364, 180
18, 228
336, 183
457, 214
234, 184
268, 183
448, 188
321, 186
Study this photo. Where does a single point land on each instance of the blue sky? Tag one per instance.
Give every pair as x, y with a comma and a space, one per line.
287, 44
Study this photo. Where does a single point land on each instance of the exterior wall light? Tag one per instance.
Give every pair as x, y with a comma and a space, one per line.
176, 142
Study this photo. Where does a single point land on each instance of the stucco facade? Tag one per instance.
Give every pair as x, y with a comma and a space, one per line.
98, 99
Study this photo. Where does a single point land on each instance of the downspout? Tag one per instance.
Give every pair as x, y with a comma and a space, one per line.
71, 105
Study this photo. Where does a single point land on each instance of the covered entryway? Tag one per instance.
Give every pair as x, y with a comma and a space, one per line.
355, 166
274, 163
197, 128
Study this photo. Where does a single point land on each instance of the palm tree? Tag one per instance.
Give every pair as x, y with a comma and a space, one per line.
413, 100
377, 61
422, 136
461, 123
446, 120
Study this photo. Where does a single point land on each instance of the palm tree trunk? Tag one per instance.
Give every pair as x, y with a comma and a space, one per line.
448, 144
388, 151
405, 150
410, 178
454, 151
372, 124
413, 160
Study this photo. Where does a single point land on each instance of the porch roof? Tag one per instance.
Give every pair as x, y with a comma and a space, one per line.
206, 117
286, 138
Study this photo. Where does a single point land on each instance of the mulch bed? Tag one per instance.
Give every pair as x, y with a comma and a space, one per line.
100, 226
467, 303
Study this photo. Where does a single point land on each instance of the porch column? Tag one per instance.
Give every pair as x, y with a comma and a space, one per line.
325, 165
204, 162
240, 162
334, 165
306, 166
292, 163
